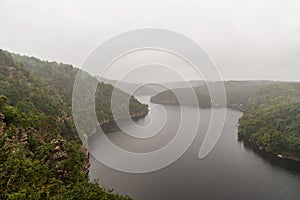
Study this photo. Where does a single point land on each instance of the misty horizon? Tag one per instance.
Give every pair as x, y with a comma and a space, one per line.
246, 40
147, 82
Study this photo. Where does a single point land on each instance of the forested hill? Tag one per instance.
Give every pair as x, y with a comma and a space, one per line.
41, 87
237, 92
271, 117
41, 154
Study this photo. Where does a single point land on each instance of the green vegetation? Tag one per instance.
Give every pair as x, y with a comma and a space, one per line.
41, 155
271, 117
58, 80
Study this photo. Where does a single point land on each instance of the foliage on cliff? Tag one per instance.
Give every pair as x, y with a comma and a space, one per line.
40, 152
39, 164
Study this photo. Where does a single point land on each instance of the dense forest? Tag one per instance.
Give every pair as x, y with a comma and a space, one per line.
41, 155
271, 110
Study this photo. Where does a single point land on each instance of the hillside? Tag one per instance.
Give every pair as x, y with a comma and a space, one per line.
46, 87
271, 117
41, 154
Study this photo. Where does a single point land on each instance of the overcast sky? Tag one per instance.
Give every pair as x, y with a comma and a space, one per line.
246, 39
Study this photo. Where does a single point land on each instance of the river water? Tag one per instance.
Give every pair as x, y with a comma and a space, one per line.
232, 170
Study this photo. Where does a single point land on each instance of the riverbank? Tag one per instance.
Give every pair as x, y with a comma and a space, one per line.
135, 116
259, 148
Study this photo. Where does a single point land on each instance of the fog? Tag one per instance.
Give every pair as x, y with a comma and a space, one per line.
246, 39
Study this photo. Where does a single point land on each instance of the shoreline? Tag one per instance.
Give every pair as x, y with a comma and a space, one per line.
134, 117
280, 156
110, 121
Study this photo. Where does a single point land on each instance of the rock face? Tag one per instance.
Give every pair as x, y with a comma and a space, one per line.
58, 155
86, 163
22, 137
58, 151
2, 125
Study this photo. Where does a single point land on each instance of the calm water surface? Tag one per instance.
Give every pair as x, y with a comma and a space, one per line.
231, 171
